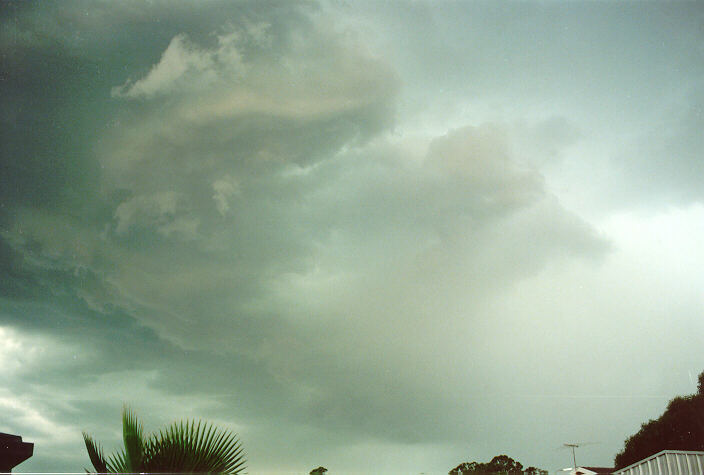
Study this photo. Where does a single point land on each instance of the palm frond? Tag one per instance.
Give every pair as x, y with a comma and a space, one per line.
183, 447
132, 435
194, 448
117, 462
95, 453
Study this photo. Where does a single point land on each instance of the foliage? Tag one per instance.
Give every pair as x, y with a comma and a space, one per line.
183, 447
680, 427
318, 471
501, 464
464, 467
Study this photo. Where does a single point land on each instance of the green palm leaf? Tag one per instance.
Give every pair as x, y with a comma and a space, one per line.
95, 453
117, 462
194, 448
132, 436
183, 447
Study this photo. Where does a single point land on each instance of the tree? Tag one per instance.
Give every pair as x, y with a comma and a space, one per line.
504, 463
318, 471
680, 427
183, 447
501, 464
464, 467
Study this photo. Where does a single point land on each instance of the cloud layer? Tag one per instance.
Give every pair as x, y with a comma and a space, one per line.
362, 239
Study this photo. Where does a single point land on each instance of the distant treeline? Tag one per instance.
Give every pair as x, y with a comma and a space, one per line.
499, 465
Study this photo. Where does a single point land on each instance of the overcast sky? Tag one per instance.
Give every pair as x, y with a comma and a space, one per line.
381, 237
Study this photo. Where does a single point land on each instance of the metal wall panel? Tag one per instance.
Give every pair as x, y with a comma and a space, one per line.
667, 462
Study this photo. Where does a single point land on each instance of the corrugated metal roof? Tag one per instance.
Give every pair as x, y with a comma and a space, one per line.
667, 462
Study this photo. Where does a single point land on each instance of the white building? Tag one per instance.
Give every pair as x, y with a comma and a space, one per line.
667, 462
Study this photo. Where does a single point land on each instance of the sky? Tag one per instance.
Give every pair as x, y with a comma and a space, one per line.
380, 237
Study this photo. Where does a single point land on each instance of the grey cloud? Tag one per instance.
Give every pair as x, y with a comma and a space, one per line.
530, 47
665, 165
209, 211
410, 279
446, 226
272, 113
479, 157
61, 62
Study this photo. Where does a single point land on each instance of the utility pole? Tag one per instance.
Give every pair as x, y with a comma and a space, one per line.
574, 458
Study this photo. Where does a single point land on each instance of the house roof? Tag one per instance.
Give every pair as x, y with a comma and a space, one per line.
601, 470
662, 453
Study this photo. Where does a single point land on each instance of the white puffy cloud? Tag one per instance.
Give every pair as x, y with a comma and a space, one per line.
176, 61
224, 188
186, 66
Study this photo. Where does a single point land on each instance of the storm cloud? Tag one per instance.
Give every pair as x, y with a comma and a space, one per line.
374, 237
